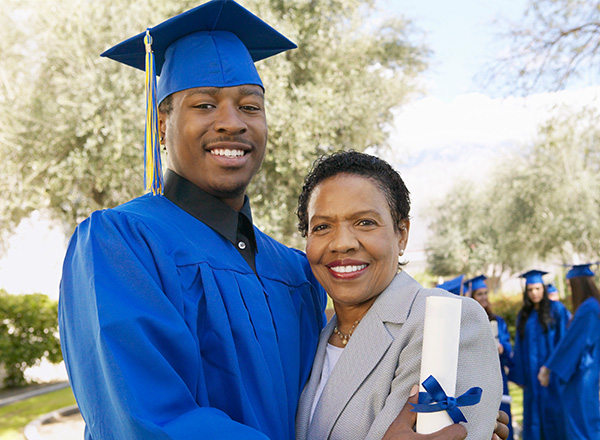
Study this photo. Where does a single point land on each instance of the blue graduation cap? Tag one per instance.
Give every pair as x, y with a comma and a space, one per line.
580, 270
453, 286
477, 283
533, 276
551, 288
212, 45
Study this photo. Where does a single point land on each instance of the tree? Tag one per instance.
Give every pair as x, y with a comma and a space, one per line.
74, 122
542, 204
463, 240
555, 42
28, 333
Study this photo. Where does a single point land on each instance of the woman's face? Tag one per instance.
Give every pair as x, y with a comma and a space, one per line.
535, 292
481, 296
352, 245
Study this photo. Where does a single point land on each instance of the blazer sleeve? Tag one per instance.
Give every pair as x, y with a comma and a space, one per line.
478, 366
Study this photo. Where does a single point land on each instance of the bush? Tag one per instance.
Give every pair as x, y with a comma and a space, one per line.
28, 333
507, 306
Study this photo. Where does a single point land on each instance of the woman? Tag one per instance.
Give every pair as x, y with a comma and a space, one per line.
354, 212
576, 359
479, 292
541, 324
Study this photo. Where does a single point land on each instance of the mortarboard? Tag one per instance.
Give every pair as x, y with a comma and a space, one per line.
477, 283
551, 288
453, 286
580, 270
212, 45
533, 276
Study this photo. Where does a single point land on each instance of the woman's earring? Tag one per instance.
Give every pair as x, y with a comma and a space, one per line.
401, 251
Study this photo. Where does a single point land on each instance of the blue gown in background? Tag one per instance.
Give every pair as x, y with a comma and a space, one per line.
505, 364
576, 361
543, 414
167, 333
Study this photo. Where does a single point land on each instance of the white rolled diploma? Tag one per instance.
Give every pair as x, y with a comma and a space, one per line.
441, 338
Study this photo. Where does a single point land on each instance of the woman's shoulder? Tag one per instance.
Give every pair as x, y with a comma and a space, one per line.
590, 305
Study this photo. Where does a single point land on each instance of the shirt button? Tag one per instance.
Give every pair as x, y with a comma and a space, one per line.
242, 245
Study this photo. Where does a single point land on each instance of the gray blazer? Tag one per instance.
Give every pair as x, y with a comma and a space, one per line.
372, 379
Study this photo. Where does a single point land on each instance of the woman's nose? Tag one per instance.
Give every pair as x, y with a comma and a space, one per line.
343, 240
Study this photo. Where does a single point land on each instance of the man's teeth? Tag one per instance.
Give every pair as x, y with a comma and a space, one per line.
348, 269
227, 152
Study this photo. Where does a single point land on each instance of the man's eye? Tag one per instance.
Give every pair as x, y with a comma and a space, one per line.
204, 106
250, 108
366, 222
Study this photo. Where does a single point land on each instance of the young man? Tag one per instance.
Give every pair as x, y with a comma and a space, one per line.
178, 318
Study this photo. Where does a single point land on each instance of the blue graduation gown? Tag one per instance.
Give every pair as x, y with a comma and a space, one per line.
576, 361
168, 334
542, 409
505, 364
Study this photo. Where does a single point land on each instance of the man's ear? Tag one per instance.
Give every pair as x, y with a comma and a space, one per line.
162, 126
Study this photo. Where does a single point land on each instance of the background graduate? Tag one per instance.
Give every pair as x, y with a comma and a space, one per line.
576, 359
541, 324
478, 290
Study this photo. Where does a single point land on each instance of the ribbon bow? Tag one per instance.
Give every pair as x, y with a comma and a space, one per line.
435, 399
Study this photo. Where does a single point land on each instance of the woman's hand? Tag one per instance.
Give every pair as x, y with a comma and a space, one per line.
402, 427
544, 376
501, 429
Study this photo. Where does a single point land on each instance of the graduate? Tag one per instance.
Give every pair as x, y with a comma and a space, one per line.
552, 292
478, 290
179, 319
541, 324
455, 285
576, 359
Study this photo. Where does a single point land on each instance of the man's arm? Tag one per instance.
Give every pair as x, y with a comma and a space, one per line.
133, 363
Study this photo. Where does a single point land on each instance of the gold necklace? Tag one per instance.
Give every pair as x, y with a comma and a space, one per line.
345, 337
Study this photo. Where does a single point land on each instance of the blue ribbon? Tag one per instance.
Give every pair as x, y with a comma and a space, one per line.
435, 399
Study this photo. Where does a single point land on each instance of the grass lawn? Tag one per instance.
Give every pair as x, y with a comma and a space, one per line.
516, 407
15, 416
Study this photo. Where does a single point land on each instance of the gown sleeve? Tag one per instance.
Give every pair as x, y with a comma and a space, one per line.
567, 355
132, 361
517, 370
504, 339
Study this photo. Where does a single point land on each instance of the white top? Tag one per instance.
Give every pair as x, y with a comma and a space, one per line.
332, 355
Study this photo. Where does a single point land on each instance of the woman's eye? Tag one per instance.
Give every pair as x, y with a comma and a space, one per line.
319, 228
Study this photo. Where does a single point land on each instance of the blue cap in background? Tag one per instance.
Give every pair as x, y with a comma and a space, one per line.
453, 286
533, 276
580, 270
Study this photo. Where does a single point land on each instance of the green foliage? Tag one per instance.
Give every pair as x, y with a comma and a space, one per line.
73, 133
507, 307
28, 333
540, 205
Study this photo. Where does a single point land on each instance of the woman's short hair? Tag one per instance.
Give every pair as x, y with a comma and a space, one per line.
352, 162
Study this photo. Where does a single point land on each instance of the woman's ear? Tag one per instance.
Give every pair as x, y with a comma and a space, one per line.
403, 230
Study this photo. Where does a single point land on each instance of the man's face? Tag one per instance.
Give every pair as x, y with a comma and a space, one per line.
216, 138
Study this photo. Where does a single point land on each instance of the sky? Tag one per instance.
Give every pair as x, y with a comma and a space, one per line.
456, 129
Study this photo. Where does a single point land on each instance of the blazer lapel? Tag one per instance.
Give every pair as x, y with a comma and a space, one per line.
310, 389
369, 343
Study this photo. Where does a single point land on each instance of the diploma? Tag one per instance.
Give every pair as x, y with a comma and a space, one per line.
441, 337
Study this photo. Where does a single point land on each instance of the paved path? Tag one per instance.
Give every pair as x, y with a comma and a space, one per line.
15, 395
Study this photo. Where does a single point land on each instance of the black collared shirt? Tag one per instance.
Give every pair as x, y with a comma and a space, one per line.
234, 226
